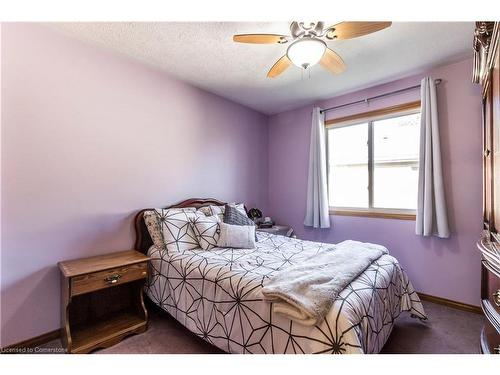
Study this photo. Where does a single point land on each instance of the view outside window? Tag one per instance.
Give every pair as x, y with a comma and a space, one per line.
393, 161
348, 166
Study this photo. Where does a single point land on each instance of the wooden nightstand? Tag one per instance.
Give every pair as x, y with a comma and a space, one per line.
281, 230
101, 300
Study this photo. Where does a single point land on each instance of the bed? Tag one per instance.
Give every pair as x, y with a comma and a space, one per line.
216, 294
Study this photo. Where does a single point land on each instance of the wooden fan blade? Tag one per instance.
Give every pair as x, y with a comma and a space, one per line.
259, 38
279, 66
332, 62
349, 30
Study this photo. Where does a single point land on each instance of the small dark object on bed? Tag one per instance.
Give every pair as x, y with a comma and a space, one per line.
254, 214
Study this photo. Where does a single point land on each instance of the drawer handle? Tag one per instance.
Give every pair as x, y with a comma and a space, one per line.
113, 279
496, 297
496, 349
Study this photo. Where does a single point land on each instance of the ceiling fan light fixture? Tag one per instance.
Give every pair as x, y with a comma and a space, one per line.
307, 45
306, 52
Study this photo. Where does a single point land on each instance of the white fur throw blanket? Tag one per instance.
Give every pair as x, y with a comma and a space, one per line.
305, 293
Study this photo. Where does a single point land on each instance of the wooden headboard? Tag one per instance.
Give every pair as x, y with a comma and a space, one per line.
143, 240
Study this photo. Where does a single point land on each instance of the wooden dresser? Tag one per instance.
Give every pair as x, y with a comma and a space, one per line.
486, 72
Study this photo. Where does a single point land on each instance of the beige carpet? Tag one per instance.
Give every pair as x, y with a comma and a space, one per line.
447, 331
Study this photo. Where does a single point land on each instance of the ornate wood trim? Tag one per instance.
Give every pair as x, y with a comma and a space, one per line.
483, 345
490, 253
143, 241
486, 38
485, 72
491, 314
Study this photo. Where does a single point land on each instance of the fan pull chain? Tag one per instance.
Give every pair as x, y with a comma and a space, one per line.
308, 70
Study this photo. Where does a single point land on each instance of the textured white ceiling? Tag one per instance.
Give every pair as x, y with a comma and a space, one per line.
203, 54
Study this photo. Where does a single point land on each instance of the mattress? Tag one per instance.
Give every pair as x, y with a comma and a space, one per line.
217, 295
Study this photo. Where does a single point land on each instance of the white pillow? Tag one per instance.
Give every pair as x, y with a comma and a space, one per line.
170, 229
206, 229
211, 210
238, 236
219, 210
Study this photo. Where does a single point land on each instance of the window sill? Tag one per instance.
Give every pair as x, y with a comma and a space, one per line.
405, 215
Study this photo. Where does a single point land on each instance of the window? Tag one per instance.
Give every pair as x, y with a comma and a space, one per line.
373, 162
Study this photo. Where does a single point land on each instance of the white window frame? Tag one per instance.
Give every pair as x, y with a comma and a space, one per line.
370, 118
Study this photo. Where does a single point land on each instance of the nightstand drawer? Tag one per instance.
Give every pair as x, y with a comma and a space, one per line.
104, 279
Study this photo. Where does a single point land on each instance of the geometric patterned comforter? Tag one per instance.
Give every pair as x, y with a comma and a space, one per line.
217, 295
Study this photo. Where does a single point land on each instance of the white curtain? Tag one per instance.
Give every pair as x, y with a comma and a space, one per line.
431, 209
317, 215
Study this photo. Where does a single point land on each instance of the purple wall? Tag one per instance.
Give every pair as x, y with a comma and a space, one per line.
448, 268
88, 139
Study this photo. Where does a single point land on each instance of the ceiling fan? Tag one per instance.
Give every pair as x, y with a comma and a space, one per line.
307, 45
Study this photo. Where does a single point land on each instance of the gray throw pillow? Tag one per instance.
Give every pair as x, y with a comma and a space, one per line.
234, 216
